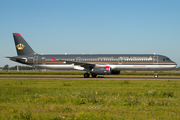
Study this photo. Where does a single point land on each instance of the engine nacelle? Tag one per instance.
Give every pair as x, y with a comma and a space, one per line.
115, 72
101, 70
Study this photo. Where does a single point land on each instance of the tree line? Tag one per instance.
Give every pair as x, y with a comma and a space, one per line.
6, 67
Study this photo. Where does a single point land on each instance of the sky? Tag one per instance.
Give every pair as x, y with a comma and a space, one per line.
91, 27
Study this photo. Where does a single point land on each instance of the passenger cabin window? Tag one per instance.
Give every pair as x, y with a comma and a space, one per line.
166, 59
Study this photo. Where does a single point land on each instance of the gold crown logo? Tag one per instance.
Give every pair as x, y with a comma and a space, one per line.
20, 46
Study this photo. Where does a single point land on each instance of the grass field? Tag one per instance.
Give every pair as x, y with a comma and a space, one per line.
89, 99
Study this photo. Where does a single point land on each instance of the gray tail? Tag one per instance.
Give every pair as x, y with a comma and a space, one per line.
22, 46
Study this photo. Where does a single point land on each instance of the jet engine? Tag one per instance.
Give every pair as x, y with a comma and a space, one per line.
101, 70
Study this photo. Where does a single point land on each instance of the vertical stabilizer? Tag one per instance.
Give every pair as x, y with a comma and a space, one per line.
21, 45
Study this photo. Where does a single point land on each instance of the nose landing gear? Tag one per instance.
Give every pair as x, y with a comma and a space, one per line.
155, 74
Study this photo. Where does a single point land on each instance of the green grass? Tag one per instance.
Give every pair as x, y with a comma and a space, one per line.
161, 73
89, 99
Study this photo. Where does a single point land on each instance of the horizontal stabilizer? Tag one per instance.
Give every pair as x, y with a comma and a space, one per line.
17, 58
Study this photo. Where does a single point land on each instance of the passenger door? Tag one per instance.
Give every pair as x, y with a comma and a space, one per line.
78, 59
120, 60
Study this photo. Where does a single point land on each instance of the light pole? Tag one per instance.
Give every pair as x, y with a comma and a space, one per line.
17, 68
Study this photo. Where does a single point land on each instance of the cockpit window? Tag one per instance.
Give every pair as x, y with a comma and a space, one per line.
166, 59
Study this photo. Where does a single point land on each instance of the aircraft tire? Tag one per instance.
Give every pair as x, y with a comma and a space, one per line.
93, 75
86, 75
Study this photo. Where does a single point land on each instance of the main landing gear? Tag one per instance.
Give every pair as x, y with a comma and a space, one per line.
86, 75
93, 75
155, 74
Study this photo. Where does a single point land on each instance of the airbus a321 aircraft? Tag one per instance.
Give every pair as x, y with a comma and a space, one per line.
95, 64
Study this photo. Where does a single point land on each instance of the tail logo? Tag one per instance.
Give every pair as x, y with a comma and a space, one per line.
20, 46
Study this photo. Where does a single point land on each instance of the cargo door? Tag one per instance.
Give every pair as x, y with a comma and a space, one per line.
35, 60
155, 59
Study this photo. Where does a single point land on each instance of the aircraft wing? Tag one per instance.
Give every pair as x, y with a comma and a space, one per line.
82, 64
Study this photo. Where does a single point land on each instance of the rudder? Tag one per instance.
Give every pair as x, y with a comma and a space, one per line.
21, 45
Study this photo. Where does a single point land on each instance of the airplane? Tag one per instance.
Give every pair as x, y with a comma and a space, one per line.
94, 64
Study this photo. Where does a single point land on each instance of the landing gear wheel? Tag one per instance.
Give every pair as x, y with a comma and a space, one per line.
155, 74
93, 75
86, 75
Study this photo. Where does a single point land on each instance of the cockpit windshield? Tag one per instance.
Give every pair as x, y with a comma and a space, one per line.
166, 59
